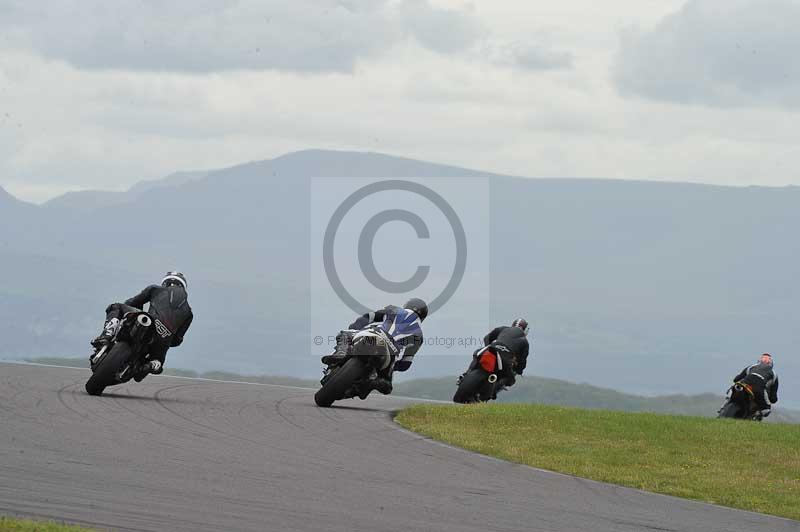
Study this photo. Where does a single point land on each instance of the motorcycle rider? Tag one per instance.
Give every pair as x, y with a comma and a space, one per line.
763, 380
511, 343
402, 324
171, 313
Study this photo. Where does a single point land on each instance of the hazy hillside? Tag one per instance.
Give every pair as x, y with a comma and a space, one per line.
6, 199
13, 211
93, 199
650, 288
638, 283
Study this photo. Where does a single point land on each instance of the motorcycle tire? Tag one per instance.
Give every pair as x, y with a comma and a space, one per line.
472, 387
729, 410
341, 381
106, 371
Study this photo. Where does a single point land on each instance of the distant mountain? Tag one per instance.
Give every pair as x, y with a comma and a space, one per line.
9, 202
14, 216
650, 288
6, 198
87, 199
94, 199
326, 163
307, 163
173, 180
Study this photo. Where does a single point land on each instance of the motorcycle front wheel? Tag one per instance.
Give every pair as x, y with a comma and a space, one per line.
105, 374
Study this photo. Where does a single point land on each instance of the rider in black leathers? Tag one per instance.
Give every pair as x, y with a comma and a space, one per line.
172, 315
511, 343
763, 381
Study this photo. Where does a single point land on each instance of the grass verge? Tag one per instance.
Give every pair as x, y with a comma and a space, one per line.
8, 524
752, 466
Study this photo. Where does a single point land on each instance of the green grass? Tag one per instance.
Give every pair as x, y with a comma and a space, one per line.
16, 525
752, 466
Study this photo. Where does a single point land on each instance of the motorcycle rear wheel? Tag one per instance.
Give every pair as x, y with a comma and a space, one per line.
729, 410
341, 381
472, 387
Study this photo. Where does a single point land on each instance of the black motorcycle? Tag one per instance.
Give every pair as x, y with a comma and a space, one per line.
347, 374
740, 403
125, 356
486, 376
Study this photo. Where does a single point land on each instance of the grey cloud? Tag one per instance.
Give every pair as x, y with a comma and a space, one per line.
717, 52
204, 36
441, 30
533, 56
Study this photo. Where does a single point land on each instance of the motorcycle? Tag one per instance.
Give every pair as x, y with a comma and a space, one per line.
347, 375
486, 375
740, 403
125, 354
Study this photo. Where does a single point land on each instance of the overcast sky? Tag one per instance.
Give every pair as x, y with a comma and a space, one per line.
97, 94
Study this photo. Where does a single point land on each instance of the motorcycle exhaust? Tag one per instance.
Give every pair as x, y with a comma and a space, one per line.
144, 320
492, 378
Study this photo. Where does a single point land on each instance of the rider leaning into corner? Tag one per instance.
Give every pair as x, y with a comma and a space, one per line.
403, 325
763, 381
169, 307
511, 343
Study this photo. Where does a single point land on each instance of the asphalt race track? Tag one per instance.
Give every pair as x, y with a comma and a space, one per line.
182, 454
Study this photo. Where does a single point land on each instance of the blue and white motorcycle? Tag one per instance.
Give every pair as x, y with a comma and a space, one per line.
371, 351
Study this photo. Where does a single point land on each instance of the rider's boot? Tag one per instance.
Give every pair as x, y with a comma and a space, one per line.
154, 366
344, 340
376, 382
384, 386
109, 330
504, 384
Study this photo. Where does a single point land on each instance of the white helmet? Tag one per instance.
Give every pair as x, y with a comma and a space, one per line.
173, 278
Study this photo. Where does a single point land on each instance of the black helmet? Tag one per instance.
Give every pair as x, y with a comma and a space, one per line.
522, 324
175, 279
418, 306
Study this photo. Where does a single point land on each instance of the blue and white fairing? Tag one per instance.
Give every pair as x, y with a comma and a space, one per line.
403, 326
